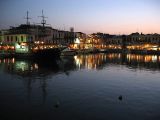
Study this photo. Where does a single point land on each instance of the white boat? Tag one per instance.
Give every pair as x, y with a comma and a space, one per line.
102, 50
68, 52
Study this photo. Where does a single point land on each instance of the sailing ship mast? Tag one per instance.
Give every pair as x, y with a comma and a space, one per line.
43, 22
27, 19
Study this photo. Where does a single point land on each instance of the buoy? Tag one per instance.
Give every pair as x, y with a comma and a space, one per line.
57, 105
120, 97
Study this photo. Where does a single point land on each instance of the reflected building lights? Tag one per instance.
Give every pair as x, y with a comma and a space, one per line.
36, 66
19, 66
77, 60
154, 58
91, 61
22, 66
95, 61
13, 60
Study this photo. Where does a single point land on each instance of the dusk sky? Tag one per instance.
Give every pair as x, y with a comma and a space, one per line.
108, 16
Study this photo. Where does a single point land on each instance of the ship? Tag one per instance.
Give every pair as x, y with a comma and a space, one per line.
32, 40
26, 50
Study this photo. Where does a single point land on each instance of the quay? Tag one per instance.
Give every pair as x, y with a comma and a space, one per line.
56, 52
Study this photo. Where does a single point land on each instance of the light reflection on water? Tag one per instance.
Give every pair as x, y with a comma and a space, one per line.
98, 61
81, 87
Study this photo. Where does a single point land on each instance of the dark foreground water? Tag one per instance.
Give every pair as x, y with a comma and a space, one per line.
85, 87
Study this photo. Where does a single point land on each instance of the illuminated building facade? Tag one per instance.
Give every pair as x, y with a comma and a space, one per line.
143, 41
134, 41
79, 41
63, 37
46, 37
104, 41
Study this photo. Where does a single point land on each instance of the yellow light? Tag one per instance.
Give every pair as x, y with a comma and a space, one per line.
23, 44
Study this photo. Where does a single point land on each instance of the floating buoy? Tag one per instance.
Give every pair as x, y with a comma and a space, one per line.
57, 104
120, 97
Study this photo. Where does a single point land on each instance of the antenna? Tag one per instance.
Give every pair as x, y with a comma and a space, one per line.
27, 18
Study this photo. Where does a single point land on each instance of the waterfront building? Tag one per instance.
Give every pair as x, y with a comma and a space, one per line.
1, 37
38, 37
143, 41
134, 41
38, 32
105, 41
114, 42
46, 37
2, 32
79, 41
62, 37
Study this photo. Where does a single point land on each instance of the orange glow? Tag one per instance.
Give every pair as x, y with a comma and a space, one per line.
23, 44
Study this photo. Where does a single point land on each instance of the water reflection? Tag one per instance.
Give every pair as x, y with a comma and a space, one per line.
99, 61
42, 70
96, 61
34, 68
39, 72
46, 83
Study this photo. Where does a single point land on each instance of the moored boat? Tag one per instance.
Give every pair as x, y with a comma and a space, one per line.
102, 50
68, 52
27, 51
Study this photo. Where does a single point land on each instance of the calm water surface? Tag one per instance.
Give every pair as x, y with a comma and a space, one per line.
83, 87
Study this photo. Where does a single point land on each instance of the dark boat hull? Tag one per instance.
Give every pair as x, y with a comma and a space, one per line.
42, 54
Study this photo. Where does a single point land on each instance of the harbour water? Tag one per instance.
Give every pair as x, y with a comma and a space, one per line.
82, 87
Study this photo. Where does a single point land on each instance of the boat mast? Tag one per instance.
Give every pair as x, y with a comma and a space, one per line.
27, 18
43, 22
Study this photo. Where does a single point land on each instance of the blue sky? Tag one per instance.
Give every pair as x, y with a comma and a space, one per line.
109, 16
